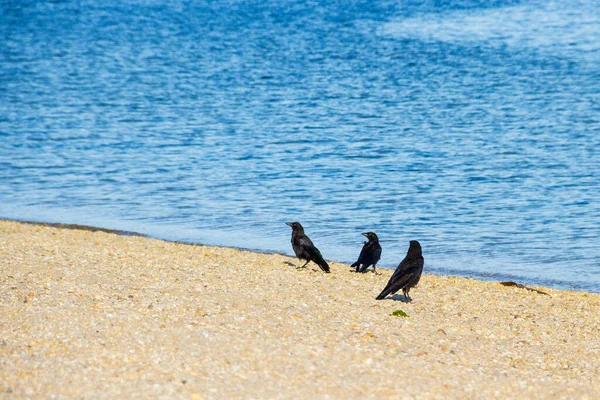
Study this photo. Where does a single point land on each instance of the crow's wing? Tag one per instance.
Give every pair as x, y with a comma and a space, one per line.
304, 242
362, 255
317, 258
394, 285
376, 254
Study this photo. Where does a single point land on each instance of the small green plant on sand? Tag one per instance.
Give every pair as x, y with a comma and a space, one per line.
399, 313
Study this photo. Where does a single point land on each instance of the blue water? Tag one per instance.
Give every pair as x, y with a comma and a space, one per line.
472, 126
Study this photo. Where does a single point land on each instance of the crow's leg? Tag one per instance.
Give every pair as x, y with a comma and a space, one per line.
375, 270
303, 265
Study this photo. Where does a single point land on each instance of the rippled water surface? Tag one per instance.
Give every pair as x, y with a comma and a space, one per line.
472, 126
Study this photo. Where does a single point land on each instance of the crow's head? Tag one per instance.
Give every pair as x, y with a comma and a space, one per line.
371, 236
414, 249
295, 226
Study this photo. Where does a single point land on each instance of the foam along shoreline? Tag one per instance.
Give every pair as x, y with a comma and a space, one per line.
93, 314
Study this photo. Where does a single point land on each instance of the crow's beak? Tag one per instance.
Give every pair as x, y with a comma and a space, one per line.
288, 223
365, 234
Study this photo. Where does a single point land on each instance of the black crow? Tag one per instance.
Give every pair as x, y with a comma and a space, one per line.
304, 247
369, 255
407, 274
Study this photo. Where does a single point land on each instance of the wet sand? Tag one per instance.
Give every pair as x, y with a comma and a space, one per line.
98, 315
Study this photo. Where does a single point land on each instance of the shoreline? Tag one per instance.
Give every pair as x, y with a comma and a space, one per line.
439, 272
93, 314
119, 232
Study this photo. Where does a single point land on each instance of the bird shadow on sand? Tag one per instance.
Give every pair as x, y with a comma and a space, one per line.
400, 297
300, 268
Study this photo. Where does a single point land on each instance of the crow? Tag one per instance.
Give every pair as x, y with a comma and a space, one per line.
369, 255
304, 247
407, 274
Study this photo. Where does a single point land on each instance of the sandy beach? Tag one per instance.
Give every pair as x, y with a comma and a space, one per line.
97, 315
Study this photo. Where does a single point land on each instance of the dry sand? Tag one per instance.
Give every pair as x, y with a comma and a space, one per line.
96, 315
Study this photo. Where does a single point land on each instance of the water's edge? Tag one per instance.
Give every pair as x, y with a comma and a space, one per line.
468, 275
120, 232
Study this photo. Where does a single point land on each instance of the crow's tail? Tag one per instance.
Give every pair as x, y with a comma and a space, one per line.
323, 264
384, 293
